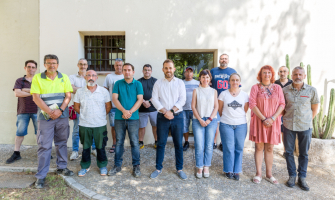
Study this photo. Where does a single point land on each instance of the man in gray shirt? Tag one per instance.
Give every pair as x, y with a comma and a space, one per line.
302, 104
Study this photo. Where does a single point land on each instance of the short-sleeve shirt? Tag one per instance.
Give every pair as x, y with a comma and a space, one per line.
189, 86
127, 96
233, 108
110, 82
92, 106
51, 91
148, 85
298, 112
220, 78
77, 80
24, 104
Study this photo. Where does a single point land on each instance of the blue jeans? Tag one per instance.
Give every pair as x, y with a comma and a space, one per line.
188, 116
23, 122
120, 131
75, 135
304, 141
176, 125
203, 142
232, 137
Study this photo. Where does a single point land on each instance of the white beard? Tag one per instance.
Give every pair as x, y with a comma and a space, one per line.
91, 84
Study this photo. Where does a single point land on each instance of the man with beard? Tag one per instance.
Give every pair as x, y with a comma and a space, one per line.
302, 104
127, 97
51, 92
78, 81
109, 85
220, 82
169, 97
93, 103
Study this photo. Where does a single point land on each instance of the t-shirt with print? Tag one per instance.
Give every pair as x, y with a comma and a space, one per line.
220, 78
148, 85
110, 82
24, 104
233, 108
189, 86
92, 106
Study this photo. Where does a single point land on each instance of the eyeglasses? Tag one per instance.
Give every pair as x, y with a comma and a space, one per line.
91, 75
31, 67
147, 70
81, 64
51, 63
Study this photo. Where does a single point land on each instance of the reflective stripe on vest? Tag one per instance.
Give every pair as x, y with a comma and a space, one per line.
53, 98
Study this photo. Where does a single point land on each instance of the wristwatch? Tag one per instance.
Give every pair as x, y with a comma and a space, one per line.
61, 109
172, 111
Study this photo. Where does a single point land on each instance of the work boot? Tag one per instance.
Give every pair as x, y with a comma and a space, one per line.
39, 184
303, 184
114, 170
291, 181
65, 172
136, 171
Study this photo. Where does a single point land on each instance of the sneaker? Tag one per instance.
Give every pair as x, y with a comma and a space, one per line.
236, 176
155, 174
136, 171
65, 172
94, 152
39, 184
83, 172
215, 146
74, 155
141, 145
303, 184
155, 145
114, 170
291, 181
186, 146
103, 171
13, 158
229, 175
182, 175
220, 146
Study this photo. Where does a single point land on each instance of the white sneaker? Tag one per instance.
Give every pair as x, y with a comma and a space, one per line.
74, 155
94, 152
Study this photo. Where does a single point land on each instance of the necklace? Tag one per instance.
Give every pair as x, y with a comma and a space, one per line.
265, 85
234, 93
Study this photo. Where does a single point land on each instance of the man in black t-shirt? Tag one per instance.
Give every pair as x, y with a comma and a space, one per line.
147, 110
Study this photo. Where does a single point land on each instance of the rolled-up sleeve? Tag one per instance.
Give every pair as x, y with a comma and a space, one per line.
182, 96
253, 97
281, 97
155, 96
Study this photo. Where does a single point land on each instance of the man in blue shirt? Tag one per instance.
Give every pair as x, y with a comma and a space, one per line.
220, 82
127, 97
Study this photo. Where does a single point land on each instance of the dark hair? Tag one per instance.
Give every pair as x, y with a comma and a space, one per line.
30, 61
204, 73
51, 56
168, 61
129, 65
233, 75
147, 65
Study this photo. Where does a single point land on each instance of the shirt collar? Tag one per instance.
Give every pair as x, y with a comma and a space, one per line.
24, 78
292, 88
173, 79
130, 82
44, 75
96, 90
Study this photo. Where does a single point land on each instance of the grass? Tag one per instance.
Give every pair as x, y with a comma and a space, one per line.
54, 188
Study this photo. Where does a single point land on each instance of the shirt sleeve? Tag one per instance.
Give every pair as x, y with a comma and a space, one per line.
107, 96
72, 79
67, 84
246, 97
116, 88
35, 86
139, 88
106, 82
18, 84
315, 97
281, 97
155, 97
253, 97
76, 97
182, 96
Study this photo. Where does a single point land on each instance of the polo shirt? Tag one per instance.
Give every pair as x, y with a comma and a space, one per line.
127, 96
51, 91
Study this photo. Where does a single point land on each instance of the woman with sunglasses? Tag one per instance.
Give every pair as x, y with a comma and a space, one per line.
266, 102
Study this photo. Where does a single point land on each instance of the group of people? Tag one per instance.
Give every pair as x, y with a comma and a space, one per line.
215, 104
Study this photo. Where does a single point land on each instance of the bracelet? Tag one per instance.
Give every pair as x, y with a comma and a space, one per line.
274, 119
210, 119
263, 120
61, 109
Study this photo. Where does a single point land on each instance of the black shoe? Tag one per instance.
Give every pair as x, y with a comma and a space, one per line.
39, 183
13, 158
114, 170
51, 157
220, 146
229, 175
215, 146
65, 172
236, 176
136, 171
186, 146
291, 181
303, 184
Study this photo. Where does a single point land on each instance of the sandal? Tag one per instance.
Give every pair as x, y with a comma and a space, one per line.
112, 150
257, 179
272, 180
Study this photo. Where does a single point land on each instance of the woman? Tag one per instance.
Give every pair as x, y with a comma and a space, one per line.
205, 108
233, 105
266, 103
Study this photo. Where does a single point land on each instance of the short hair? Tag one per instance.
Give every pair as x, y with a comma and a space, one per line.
82, 59
118, 60
204, 73
284, 66
259, 76
300, 68
168, 61
51, 56
224, 54
30, 61
147, 65
132, 66
233, 75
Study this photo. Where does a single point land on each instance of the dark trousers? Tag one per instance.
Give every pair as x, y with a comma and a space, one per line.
176, 125
304, 141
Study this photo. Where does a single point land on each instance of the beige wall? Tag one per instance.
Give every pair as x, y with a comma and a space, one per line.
19, 41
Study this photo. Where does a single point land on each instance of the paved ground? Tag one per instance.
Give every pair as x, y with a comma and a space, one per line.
168, 186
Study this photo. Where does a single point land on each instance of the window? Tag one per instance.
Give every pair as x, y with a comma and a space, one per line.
101, 51
197, 60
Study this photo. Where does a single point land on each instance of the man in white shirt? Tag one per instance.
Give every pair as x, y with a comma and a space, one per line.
109, 84
78, 81
168, 97
93, 103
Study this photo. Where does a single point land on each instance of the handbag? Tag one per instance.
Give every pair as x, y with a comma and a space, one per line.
72, 113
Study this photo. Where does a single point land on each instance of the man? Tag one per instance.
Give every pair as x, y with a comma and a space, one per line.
302, 104
26, 108
127, 97
49, 88
93, 104
147, 110
78, 81
168, 97
109, 85
190, 85
220, 82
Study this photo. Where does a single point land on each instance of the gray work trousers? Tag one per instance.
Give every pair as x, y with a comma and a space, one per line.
54, 130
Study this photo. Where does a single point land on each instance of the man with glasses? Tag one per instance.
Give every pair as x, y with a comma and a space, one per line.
78, 81
26, 108
147, 110
109, 85
51, 92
